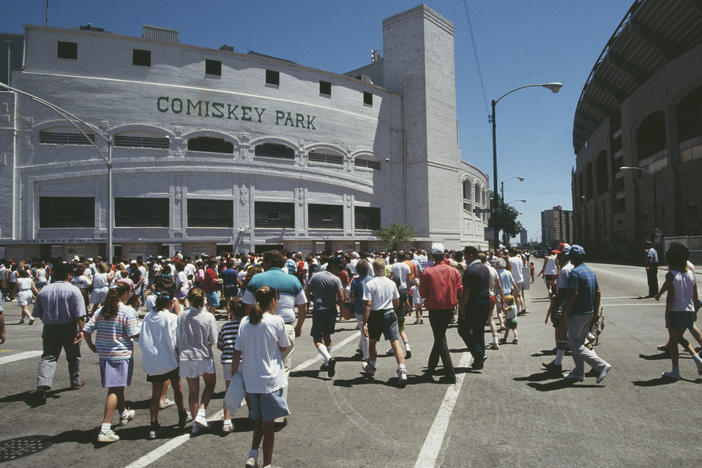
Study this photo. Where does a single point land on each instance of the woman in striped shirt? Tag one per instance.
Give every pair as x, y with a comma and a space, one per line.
115, 325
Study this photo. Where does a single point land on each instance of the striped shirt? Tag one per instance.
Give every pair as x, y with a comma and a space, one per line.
197, 332
227, 339
113, 336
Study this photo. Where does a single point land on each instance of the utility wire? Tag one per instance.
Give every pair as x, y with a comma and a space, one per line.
477, 61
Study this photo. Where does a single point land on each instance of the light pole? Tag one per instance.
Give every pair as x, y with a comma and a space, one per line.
554, 87
655, 201
74, 121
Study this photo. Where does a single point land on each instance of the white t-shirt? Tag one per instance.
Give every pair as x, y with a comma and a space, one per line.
41, 275
494, 278
551, 268
401, 270
511, 312
683, 286
516, 263
158, 342
416, 297
100, 281
24, 284
261, 360
381, 291
563, 275
189, 269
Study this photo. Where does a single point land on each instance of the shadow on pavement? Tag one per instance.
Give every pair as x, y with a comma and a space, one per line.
364, 380
559, 385
654, 357
313, 373
539, 377
661, 381
32, 398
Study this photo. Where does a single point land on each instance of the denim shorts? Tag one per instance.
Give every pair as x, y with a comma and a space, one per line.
323, 322
383, 322
213, 299
268, 406
681, 320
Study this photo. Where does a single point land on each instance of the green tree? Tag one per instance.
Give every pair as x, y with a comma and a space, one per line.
394, 235
505, 219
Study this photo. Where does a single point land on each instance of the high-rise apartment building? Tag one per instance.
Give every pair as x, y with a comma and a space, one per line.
557, 226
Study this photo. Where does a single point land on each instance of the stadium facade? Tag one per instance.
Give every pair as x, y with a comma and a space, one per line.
218, 150
641, 109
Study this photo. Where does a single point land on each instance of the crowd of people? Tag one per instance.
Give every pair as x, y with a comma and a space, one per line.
267, 298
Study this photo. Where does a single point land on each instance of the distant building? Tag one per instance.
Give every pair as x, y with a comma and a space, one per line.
557, 226
523, 237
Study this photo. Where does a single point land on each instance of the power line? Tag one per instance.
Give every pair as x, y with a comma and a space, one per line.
477, 61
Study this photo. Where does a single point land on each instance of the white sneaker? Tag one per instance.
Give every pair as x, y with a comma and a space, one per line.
128, 416
603, 373
227, 426
402, 377
200, 421
166, 404
251, 462
573, 378
390, 352
494, 345
107, 437
368, 369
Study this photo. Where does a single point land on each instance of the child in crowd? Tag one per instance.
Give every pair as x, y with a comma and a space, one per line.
197, 332
225, 343
417, 301
510, 319
116, 325
261, 340
159, 356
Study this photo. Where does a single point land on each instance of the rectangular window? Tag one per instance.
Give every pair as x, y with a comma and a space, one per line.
62, 138
315, 156
141, 57
274, 215
272, 77
368, 99
142, 142
274, 150
326, 216
366, 162
65, 212
366, 217
141, 212
210, 213
324, 88
213, 67
67, 50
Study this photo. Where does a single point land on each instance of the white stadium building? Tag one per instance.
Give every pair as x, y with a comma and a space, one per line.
218, 150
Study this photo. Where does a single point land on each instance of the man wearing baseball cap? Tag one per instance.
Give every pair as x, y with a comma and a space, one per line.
583, 307
555, 311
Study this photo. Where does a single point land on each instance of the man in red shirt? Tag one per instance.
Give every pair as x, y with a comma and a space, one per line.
211, 285
440, 286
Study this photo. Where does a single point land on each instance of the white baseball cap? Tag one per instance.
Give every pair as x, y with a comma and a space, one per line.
437, 248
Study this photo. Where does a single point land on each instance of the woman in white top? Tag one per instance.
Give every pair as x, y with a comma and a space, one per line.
261, 340
550, 271
101, 285
25, 292
40, 277
681, 305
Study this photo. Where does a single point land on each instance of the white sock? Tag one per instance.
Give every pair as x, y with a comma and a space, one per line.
253, 453
401, 367
329, 349
407, 346
323, 351
559, 357
494, 339
105, 427
124, 414
697, 358
202, 412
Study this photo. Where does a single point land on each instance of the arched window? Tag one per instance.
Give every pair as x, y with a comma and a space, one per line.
650, 135
210, 145
689, 115
366, 161
477, 193
141, 139
602, 184
274, 150
466, 189
325, 156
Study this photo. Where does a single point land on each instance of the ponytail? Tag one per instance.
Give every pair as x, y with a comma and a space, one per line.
111, 305
264, 297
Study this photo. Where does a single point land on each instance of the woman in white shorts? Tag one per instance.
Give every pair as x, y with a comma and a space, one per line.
101, 285
197, 333
25, 292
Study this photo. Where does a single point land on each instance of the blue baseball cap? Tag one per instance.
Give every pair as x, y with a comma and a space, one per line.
577, 251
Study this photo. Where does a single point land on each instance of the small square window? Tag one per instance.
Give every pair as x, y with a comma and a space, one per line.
213, 67
67, 50
325, 88
141, 57
272, 77
368, 99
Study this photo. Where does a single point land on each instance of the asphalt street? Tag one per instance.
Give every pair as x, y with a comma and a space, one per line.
509, 414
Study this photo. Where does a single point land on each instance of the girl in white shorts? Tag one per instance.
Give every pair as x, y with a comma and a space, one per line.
25, 292
197, 333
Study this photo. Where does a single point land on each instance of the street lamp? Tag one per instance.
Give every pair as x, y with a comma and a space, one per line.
554, 87
72, 119
655, 201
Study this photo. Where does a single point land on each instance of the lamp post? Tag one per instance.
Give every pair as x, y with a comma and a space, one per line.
655, 201
74, 121
554, 87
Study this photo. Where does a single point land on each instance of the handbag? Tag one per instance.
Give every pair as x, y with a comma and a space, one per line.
235, 393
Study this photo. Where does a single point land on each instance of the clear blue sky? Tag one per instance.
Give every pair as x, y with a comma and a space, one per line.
518, 41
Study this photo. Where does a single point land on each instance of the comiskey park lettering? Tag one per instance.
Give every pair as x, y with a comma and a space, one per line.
228, 111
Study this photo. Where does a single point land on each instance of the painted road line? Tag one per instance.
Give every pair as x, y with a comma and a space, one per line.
176, 442
435, 438
19, 356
